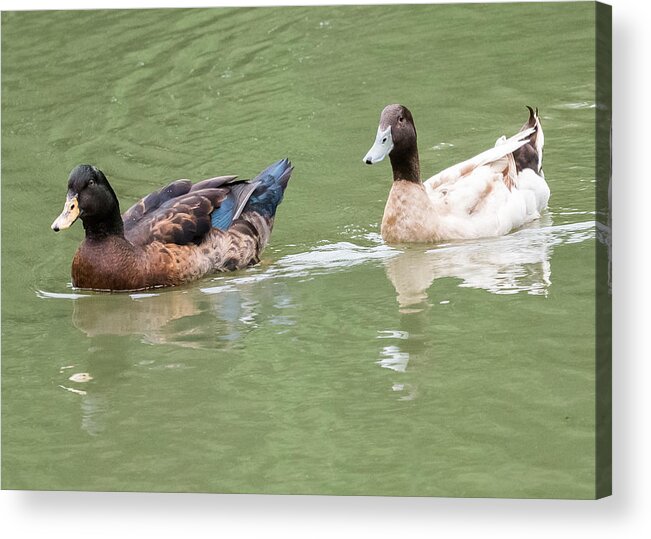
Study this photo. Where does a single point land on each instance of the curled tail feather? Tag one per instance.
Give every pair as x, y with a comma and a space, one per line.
531, 154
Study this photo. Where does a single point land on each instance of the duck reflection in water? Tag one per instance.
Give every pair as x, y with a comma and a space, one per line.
517, 263
215, 318
187, 318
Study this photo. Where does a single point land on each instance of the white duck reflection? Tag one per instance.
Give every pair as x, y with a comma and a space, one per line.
517, 263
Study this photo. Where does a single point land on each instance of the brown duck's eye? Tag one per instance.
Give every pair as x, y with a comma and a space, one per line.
91, 182
401, 119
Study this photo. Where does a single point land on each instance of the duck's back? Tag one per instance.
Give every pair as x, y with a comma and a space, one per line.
182, 213
477, 205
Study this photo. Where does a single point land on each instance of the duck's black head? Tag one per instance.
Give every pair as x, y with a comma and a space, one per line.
92, 199
396, 137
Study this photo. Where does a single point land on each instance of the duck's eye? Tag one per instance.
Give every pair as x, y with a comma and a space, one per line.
91, 182
401, 119
384, 140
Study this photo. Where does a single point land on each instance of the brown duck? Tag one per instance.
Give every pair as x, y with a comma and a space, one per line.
172, 236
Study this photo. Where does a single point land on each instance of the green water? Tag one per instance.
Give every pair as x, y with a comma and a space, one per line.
339, 365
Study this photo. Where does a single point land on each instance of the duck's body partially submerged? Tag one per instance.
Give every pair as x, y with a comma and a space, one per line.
172, 236
489, 195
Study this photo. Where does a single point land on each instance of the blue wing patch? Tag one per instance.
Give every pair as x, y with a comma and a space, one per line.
262, 195
222, 217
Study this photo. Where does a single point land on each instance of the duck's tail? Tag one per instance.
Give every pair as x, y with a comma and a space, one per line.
270, 188
531, 154
250, 226
267, 190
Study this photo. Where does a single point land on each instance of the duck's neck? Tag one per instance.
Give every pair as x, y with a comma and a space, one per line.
405, 164
100, 229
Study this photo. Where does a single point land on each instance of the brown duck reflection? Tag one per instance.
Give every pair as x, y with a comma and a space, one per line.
216, 318
189, 318
147, 315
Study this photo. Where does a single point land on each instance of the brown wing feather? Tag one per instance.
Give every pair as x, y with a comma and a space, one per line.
178, 188
218, 181
177, 213
154, 200
182, 220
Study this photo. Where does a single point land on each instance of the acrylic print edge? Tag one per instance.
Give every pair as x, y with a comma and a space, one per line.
603, 257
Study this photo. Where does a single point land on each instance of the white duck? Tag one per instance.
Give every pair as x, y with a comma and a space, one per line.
491, 194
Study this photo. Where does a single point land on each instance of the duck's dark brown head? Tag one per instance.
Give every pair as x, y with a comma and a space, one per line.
396, 137
91, 198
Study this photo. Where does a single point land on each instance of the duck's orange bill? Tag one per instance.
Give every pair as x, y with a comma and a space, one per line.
69, 214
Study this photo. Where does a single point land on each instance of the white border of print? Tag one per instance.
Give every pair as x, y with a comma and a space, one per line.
625, 514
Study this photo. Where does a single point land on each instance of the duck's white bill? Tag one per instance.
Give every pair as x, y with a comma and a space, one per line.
382, 147
69, 214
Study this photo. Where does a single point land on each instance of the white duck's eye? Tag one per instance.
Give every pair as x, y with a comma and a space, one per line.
384, 140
